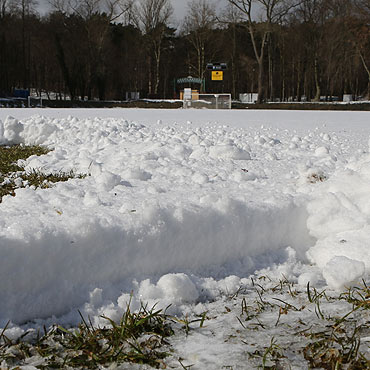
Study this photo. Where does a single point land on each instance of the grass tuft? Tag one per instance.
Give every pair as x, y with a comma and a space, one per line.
326, 342
13, 175
137, 338
9, 155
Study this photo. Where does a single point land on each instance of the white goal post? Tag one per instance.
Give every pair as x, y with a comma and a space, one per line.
38, 98
208, 101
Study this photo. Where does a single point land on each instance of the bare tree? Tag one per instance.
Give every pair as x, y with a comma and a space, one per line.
25, 8
3, 7
114, 9
88, 9
363, 6
311, 13
197, 26
272, 12
361, 36
152, 17
97, 15
232, 18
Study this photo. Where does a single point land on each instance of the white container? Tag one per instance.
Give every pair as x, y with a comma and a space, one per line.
347, 98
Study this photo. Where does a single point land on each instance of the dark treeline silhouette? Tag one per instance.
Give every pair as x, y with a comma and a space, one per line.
307, 49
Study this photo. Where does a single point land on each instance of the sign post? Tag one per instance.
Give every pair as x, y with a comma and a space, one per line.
187, 93
217, 66
217, 75
217, 71
187, 97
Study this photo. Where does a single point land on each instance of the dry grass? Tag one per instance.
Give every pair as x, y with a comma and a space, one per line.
13, 176
138, 338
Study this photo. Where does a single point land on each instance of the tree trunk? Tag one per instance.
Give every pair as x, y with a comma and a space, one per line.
260, 88
317, 81
299, 82
157, 66
282, 69
233, 76
271, 71
367, 69
25, 83
63, 66
202, 61
149, 76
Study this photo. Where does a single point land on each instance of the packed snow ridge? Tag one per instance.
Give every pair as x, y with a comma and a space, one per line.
177, 213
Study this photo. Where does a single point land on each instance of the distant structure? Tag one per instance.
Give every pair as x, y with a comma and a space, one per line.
248, 97
188, 82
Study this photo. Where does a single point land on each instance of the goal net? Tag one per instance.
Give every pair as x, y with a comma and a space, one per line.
209, 101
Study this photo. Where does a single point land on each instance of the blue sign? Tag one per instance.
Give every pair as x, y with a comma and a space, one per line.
21, 93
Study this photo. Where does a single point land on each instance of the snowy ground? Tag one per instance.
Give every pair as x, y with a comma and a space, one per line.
181, 208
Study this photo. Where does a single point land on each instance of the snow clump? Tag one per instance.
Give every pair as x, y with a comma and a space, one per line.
10, 131
342, 272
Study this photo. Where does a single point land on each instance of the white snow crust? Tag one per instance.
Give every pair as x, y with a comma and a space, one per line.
179, 207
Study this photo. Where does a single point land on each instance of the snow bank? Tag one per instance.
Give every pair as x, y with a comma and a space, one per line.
177, 213
53, 260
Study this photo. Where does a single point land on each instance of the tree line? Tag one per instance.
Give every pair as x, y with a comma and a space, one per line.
102, 49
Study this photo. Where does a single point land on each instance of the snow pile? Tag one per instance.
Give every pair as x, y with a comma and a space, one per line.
341, 272
340, 220
176, 213
10, 131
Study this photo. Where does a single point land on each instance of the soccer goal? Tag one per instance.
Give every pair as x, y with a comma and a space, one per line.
209, 101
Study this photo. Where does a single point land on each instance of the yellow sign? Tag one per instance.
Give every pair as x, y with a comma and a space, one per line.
217, 75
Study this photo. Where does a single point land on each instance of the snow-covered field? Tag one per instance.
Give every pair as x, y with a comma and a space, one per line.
181, 207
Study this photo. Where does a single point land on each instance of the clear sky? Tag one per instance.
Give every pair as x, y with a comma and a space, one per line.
179, 6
